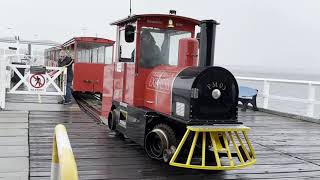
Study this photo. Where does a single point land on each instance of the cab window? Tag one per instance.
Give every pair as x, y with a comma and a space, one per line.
126, 50
160, 46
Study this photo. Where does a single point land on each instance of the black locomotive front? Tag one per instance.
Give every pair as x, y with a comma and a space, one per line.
205, 95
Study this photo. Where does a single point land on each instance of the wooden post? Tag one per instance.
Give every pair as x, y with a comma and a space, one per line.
311, 98
266, 91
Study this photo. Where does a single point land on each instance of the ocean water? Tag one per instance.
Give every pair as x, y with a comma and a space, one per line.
282, 89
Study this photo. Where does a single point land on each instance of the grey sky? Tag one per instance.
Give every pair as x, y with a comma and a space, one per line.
275, 34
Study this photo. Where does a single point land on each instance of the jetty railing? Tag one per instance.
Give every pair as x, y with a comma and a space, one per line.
311, 100
63, 165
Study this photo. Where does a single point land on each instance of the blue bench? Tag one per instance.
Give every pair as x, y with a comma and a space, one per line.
248, 95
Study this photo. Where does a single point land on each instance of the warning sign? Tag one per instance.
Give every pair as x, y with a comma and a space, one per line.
37, 81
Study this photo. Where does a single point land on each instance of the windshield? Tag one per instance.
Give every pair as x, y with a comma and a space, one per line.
160, 46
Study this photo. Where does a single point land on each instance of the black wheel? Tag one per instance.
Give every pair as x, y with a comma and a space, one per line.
161, 138
112, 120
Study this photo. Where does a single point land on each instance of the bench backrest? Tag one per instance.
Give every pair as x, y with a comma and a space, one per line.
247, 91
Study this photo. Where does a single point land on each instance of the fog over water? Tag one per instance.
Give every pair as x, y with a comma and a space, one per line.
270, 35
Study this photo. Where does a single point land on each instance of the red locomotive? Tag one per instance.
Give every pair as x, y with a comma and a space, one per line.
91, 54
179, 107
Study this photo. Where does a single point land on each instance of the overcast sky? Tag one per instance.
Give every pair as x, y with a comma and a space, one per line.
267, 33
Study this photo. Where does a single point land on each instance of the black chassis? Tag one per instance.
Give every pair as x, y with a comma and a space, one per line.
139, 121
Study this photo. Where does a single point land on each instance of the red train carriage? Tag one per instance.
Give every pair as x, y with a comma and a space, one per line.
179, 107
52, 56
91, 54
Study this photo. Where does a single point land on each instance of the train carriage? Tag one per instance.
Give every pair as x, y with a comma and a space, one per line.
91, 54
52, 56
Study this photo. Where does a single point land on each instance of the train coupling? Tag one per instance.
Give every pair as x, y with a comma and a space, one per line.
215, 147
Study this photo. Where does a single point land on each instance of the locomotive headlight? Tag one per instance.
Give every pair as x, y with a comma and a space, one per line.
216, 93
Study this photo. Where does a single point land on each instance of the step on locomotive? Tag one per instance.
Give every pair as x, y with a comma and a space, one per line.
164, 92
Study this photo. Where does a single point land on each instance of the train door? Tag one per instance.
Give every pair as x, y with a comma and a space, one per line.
124, 69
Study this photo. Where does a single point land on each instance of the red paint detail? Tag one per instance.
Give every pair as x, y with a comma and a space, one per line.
118, 82
107, 89
129, 83
188, 52
158, 88
88, 77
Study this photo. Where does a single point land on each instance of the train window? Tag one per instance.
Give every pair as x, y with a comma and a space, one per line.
108, 54
126, 50
160, 46
101, 55
79, 57
94, 55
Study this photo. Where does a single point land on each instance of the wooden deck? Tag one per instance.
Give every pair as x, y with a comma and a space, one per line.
286, 149
14, 150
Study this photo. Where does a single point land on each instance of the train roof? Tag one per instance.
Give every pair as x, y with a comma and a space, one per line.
135, 17
95, 40
53, 48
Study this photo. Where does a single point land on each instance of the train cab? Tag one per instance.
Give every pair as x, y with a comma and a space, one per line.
146, 42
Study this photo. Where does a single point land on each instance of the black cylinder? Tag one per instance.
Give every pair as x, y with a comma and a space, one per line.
207, 41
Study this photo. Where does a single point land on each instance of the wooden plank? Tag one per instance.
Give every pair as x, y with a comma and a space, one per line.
14, 154
13, 132
14, 164
13, 125
13, 119
14, 175
40, 107
14, 151
14, 141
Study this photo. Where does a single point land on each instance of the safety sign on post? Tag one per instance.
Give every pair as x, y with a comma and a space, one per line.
37, 82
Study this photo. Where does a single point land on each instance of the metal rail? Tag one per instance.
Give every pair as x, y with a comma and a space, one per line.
310, 101
63, 165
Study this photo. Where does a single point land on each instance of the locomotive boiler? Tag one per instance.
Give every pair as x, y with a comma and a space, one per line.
164, 93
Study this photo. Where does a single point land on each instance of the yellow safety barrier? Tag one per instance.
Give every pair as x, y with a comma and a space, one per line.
63, 165
209, 156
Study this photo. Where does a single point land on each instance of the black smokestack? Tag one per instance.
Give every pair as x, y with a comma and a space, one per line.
207, 40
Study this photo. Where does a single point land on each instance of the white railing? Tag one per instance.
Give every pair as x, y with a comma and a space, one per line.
310, 100
51, 82
37, 83
2, 83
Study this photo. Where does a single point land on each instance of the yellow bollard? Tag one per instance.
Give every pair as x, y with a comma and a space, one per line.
63, 165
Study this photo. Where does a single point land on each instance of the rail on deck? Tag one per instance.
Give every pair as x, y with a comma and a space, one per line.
63, 165
311, 100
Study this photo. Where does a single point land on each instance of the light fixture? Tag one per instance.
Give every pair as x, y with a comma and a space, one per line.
216, 94
170, 23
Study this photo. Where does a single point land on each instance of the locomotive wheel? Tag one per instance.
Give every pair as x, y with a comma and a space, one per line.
158, 140
112, 120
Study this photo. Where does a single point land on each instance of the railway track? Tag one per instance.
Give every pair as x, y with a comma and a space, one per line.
91, 104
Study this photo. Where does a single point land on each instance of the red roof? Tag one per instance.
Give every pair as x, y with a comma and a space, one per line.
135, 17
95, 40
